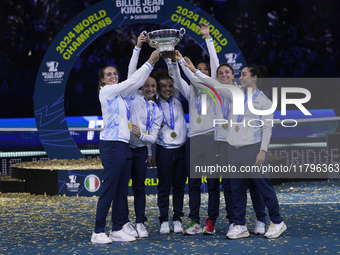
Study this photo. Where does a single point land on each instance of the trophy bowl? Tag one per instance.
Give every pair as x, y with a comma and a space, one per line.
165, 39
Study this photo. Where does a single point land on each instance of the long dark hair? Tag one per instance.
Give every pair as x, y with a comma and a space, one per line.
101, 74
161, 74
206, 63
259, 71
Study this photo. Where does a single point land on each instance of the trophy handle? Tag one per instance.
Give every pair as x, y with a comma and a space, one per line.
152, 44
181, 32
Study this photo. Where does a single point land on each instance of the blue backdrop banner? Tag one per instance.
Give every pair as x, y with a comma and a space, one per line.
93, 22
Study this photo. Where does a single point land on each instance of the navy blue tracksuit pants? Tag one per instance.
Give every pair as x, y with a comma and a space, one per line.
171, 171
203, 150
246, 156
138, 175
255, 194
116, 159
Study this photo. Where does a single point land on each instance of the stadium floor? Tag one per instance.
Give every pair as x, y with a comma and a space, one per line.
62, 225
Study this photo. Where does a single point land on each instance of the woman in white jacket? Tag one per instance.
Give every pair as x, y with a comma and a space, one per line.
201, 135
114, 148
146, 120
248, 145
206, 145
170, 153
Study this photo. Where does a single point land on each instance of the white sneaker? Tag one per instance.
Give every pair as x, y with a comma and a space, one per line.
275, 230
231, 226
259, 227
193, 229
177, 225
141, 230
121, 236
238, 231
101, 238
129, 229
165, 228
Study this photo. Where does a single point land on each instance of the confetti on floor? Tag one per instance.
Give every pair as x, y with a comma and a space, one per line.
63, 225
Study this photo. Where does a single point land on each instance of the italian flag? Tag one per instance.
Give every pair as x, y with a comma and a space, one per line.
92, 183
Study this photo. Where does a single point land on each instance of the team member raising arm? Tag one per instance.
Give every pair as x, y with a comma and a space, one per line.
114, 148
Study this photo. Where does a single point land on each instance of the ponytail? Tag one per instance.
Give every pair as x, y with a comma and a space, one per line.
259, 71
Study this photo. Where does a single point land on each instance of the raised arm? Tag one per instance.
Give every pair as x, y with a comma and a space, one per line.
135, 54
188, 73
214, 61
182, 85
168, 58
135, 81
202, 79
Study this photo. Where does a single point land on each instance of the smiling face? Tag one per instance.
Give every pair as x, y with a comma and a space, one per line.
149, 88
203, 68
165, 88
246, 79
110, 76
225, 75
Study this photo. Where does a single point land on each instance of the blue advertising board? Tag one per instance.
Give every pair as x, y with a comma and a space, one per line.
88, 182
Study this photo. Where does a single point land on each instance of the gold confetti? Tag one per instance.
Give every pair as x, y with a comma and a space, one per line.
39, 224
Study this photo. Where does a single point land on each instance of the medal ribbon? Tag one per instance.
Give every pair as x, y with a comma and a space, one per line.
225, 108
240, 117
148, 121
198, 102
172, 118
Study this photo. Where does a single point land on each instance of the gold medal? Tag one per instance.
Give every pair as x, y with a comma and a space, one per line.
237, 128
225, 126
173, 134
199, 120
129, 125
146, 132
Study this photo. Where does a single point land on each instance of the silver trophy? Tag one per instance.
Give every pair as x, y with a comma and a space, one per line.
165, 39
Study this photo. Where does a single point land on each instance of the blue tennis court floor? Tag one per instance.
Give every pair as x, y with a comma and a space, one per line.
62, 225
